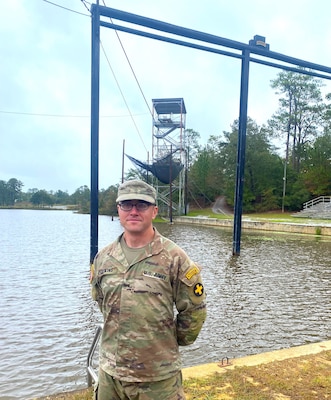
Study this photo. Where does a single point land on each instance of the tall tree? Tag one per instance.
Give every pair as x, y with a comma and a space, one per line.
317, 166
191, 145
42, 198
14, 187
327, 113
300, 115
4, 199
107, 200
81, 197
61, 197
200, 174
10, 191
263, 168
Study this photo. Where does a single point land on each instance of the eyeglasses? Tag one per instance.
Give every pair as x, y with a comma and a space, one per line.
140, 205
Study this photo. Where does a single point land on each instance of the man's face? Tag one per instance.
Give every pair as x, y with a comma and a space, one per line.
136, 216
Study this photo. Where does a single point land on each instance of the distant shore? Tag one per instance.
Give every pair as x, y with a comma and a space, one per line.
268, 222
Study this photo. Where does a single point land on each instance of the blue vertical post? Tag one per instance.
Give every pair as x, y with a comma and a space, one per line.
95, 78
241, 149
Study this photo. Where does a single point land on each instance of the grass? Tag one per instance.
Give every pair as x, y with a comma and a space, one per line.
304, 378
300, 378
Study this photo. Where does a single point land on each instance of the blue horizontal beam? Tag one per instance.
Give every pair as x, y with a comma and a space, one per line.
197, 35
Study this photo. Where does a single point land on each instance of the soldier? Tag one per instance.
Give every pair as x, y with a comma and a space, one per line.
137, 280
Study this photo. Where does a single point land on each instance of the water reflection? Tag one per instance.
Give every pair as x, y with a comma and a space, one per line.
275, 295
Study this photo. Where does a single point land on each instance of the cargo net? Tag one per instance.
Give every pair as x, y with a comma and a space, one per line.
165, 170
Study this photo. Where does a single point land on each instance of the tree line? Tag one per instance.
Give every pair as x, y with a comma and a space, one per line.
11, 194
302, 124
275, 177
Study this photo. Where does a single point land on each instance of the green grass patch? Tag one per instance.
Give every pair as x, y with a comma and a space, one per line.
304, 378
270, 216
207, 213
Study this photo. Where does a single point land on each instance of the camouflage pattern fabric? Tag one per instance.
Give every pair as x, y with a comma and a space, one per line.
109, 388
136, 190
142, 331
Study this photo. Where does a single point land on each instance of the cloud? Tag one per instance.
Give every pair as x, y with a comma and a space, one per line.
45, 80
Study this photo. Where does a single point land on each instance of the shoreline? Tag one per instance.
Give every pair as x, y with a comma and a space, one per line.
313, 228
200, 371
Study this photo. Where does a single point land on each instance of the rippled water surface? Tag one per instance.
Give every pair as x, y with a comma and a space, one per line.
276, 294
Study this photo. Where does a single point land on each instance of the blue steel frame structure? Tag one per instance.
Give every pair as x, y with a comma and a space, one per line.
196, 40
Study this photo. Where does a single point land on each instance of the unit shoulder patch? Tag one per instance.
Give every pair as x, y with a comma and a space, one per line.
198, 289
191, 272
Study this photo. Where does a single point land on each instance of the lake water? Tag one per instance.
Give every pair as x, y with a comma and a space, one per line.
276, 294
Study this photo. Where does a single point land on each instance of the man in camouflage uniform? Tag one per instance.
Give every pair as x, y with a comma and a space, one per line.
137, 280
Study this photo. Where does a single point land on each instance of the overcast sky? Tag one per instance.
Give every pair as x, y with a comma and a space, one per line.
45, 79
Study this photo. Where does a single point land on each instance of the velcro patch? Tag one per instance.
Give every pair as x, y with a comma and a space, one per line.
193, 271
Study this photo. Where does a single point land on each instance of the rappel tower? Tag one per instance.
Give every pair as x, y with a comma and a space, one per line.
169, 156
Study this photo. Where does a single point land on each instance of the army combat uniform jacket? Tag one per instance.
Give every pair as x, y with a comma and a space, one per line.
149, 308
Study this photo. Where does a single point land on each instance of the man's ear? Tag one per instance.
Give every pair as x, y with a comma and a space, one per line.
155, 211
